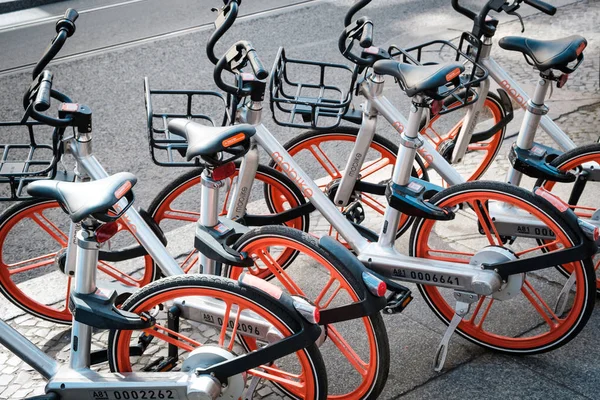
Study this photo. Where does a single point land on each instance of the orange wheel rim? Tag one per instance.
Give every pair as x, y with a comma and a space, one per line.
366, 368
301, 386
489, 147
9, 270
280, 201
474, 325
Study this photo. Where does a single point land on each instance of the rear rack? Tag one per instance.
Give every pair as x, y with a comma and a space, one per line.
167, 149
318, 104
30, 152
467, 52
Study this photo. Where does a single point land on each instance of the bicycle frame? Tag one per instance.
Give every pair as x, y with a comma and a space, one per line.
380, 257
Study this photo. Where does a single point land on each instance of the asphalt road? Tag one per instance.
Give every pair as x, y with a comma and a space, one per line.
110, 80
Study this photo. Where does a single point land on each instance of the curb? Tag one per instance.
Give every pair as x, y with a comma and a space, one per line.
17, 5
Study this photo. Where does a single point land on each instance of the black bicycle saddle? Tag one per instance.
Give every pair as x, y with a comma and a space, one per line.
82, 199
417, 79
209, 140
547, 54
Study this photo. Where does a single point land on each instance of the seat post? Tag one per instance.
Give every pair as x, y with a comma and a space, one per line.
85, 283
410, 142
534, 111
209, 213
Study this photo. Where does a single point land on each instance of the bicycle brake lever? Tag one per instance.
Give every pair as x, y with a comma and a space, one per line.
520, 19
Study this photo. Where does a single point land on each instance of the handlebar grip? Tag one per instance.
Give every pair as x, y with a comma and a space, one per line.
67, 22
541, 6
259, 70
464, 11
366, 37
358, 5
42, 98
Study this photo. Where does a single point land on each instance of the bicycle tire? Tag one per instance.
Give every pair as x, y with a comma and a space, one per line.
263, 306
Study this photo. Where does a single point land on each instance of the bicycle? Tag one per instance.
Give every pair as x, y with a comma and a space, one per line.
365, 290
469, 274
276, 324
462, 140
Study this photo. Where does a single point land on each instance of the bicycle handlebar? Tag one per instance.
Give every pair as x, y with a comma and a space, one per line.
236, 58
224, 20
65, 27
541, 6
360, 4
362, 30
42, 99
366, 37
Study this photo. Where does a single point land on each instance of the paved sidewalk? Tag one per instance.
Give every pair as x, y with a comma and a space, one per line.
572, 372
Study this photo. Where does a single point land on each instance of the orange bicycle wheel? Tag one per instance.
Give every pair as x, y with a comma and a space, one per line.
527, 321
356, 352
581, 195
300, 375
32, 235
176, 208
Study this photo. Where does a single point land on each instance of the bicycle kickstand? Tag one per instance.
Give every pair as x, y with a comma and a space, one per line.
463, 305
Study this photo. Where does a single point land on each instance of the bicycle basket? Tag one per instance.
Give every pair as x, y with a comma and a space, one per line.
30, 152
205, 107
316, 104
437, 51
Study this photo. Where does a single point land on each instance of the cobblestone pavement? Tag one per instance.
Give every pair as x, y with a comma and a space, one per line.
18, 381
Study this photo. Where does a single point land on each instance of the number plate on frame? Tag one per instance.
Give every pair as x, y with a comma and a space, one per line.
129, 394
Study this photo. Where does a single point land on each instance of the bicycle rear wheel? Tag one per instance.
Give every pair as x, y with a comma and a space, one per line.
300, 375
356, 352
530, 320
581, 195
33, 234
176, 208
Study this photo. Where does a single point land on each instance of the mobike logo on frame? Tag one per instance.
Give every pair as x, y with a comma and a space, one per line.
292, 174
513, 93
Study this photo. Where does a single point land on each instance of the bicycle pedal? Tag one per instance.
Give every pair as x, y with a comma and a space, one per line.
152, 366
355, 213
167, 365
397, 302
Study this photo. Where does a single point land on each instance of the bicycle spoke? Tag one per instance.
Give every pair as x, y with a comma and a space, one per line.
118, 275
172, 340
275, 378
17, 267
374, 166
235, 328
55, 233
187, 265
485, 222
485, 312
225, 323
540, 305
325, 162
359, 365
373, 203
544, 246
181, 215
279, 272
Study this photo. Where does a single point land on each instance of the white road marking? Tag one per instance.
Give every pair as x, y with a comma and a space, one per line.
36, 16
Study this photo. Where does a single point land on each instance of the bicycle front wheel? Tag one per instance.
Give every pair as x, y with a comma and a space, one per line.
300, 375
356, 352
33, 235
546, 309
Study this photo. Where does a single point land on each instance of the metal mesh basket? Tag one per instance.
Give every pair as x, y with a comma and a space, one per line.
316, 104
437, 51
30, 152
205, 107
